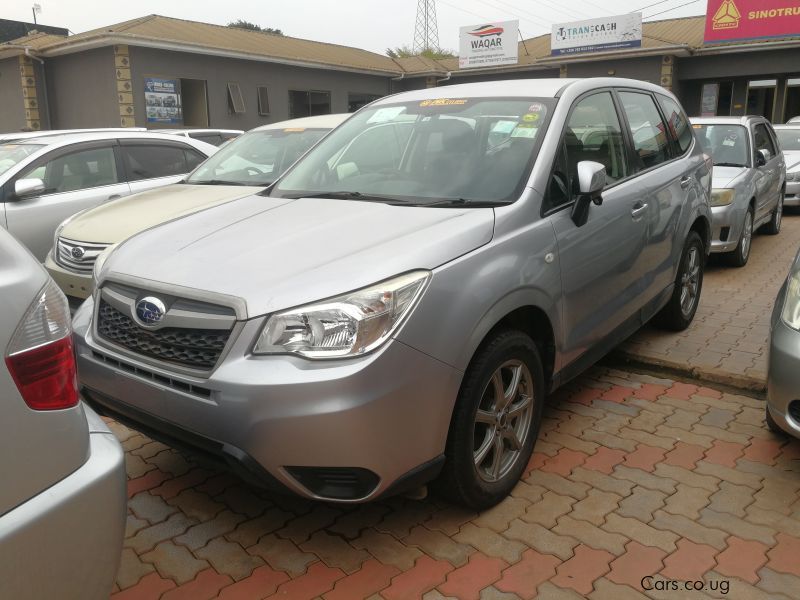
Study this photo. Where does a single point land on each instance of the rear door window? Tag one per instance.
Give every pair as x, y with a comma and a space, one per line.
648, 131
679, 127
150, 161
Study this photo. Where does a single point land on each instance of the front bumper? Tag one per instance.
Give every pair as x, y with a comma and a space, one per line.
792, 197
726, 227
386, 413
783, 374
74, 285
75, 528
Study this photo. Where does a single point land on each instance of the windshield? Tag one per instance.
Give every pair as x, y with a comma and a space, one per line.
256, 158
425, 152
789, 139
12, 154
727, 144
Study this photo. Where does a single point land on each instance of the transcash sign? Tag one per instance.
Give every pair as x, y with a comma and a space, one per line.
608, 33
729, 20
488, 45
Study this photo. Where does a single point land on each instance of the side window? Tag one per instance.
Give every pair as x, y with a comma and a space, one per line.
77, 171
193, 158
762, 139
648, 131
148, 161
679, 127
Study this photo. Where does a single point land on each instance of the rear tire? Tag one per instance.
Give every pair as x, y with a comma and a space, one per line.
774, 225
495, 421
740, 256
679, 312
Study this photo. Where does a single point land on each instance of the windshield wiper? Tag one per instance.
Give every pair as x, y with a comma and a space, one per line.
727, 164
458, 202
222, 182
351, 196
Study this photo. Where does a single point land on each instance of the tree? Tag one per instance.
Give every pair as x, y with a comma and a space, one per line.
406, 52
242, 24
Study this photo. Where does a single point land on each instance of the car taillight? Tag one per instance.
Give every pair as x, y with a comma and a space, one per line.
40, 357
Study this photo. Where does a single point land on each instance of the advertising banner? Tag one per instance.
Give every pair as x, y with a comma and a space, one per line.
710, 98
593, 35
730, 20
162, 99
488, 45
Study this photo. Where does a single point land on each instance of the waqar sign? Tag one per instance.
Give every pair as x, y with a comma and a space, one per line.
488, 45
730, 20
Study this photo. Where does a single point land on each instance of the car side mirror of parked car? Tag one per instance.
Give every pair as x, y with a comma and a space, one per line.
762, 157
28, 187
591, 182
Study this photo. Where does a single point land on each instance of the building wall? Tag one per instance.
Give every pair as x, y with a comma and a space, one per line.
218, 72
81, 89
645, 69
12, 108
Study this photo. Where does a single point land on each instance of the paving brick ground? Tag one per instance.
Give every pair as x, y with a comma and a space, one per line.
634, 480
727, 342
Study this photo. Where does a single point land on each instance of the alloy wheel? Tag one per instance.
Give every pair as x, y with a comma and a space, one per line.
747, 235
503, 420
690, 281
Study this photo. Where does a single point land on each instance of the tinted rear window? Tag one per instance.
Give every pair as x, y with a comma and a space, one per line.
151, 161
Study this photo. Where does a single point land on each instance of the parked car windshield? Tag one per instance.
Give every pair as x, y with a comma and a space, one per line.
727, 144
12, 154
464, 150
789, 139
256, 158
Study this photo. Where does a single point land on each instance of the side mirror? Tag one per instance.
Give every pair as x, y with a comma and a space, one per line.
28, 187
762, 157
591, 182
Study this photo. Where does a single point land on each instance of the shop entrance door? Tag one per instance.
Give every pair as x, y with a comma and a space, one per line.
761, 98
792, 99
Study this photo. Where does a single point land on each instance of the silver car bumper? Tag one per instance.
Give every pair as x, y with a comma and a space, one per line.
371, 424
783, 374
75, 528
792, 197
726, 227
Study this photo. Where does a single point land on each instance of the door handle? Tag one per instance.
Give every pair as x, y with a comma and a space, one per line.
114, 196
686, 182
638, 209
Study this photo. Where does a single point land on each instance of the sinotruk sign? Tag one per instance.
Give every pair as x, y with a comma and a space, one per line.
594, 35
488, 45
731, 20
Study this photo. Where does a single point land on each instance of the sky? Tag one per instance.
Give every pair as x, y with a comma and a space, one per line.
370, 24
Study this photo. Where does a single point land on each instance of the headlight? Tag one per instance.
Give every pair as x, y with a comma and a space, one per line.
348, 325
722, 197
791, 303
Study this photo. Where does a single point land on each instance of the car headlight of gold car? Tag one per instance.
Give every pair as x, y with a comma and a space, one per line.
722, 196
348, 325
791, 302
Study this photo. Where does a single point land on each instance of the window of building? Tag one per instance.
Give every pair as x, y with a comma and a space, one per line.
149, 161
761, 97
356, 101
263, 100
648, 131
308, 104
792, 98
235, 98
678, 122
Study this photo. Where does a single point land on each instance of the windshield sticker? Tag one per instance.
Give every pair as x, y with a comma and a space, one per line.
444, 102
730, 140
383, 115
530, 117
536, 107
294, 130
504, 126
524, 131
697, 126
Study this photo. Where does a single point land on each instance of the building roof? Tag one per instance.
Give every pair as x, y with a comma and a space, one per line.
677, 36
11, 30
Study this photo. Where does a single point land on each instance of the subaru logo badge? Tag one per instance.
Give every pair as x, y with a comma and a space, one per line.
78, 252
150, 311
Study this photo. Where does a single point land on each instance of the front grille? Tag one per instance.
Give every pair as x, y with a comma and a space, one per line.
77, 256
177, 384
193, 348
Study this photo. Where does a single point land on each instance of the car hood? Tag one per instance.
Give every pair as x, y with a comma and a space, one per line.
724, 176
115, 221
276, 253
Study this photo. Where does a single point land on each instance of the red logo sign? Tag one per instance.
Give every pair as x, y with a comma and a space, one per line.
729, 20
485, 30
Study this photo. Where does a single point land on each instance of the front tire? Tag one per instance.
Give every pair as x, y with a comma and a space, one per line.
679, 312
495, 421
740, 256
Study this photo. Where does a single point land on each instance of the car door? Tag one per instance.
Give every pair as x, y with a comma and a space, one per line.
768, 181
76, 177
601, 266
155, 163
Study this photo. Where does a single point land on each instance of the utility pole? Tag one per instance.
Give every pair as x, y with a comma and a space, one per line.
426, 31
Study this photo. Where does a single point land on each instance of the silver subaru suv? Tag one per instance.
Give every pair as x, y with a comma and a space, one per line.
394, 310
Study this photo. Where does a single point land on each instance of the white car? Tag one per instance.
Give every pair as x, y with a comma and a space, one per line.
46, 179
789, 140
216, 137
27, 135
